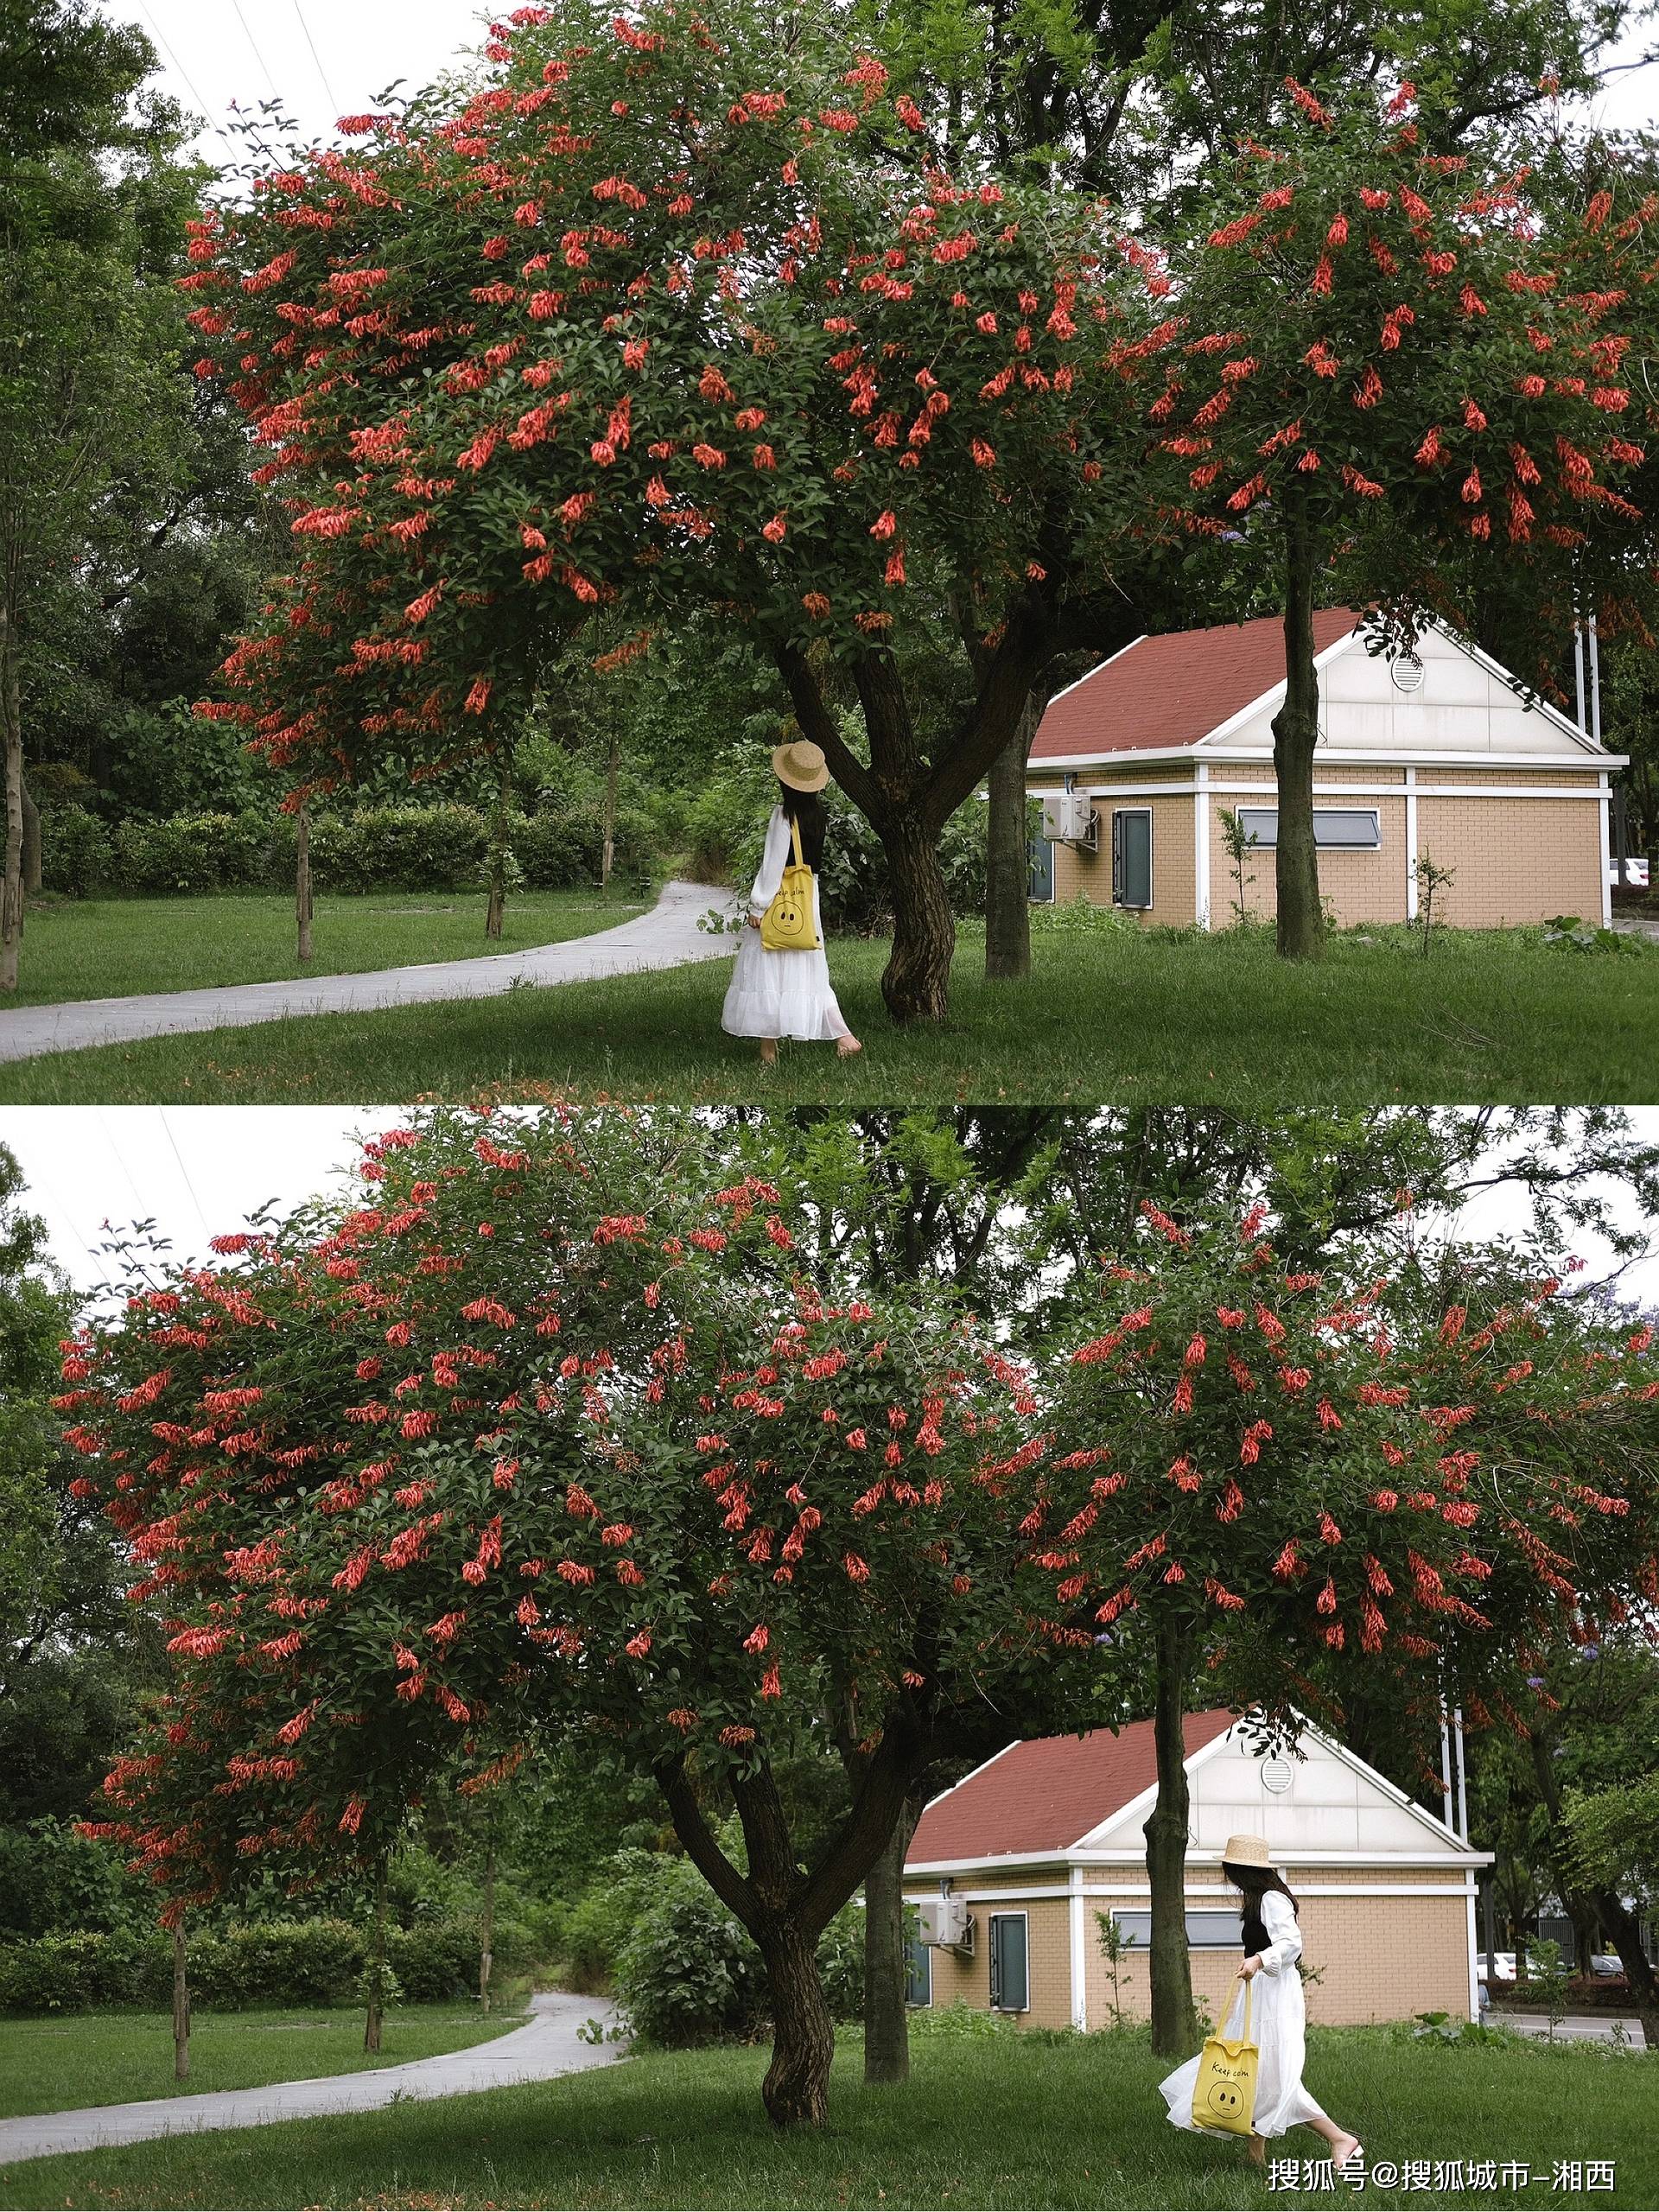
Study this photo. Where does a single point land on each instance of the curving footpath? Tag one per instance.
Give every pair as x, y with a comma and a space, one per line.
667, 937
546, 2048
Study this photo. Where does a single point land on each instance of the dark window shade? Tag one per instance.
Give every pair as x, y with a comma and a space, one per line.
1132, 856
1010, 1976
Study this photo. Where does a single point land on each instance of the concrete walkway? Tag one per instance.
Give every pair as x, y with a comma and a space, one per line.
540, 2051
1578, 2027
667, 937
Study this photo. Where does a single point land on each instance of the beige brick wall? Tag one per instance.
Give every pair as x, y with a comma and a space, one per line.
1379, 1958
1517, 860
968, 1980
1361, 887
1090, 874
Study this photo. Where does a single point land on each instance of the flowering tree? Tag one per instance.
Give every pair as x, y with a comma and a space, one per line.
1413, 380
551, 1435
1297, 1475
663, 314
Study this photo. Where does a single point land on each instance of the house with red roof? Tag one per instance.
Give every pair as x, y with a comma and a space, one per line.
1434, 754
1013, 1871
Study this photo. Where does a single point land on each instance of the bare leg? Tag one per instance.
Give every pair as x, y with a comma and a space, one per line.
768, 1050
1258, 2151
1343, 2145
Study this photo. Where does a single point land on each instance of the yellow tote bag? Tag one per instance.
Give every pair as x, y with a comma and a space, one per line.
786, 926
1223, 2094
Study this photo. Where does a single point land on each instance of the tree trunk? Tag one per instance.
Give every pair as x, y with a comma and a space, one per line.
302, 882
887, 2021
917, 984
31, 846
796, 2092
495, 914
607, 858
1295, 734
181, 2009
377, 1965
486, 1949
1173, 2027
1595, 1904
11, 895
1624, 1934
1007, 859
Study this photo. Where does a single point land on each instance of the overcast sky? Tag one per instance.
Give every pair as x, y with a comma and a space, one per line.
325, 61
202, 1171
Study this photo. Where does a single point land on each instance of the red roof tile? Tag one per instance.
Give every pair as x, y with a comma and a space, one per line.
1174, 690
1046, 1794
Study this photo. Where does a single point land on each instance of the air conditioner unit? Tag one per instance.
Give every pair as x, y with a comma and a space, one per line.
1069, 818
945, 1922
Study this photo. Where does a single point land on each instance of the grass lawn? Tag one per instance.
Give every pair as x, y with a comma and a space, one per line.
995, 2121
119, 948
1492, 1016
105, 2058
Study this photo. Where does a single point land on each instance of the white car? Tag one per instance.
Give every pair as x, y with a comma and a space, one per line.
1636, 873
1497, 1966
1604, 1964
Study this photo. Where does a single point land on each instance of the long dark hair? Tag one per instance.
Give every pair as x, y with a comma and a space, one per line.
1253, 1884
806, 810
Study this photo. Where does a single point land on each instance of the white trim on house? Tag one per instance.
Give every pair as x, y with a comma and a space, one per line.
1357, 791
1210, 1890
1606, 798
1067, 690
1425, 757
969, 1776
1411, 844
1077, 1936
1012, 1861
1146, 1798
1474, 1963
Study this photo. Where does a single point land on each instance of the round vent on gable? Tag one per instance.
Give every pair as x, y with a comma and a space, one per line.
1407, 672
1277, 1776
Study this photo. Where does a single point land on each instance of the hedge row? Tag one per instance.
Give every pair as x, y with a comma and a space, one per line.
281, 1962
441, 848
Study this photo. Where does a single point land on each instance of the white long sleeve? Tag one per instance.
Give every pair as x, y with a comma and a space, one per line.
771, 862
1286, 1946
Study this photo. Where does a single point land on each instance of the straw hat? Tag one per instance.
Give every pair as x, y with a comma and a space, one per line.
1247, 1851
800, 764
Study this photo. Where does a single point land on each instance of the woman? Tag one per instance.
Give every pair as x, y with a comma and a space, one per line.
775, 995
1273, 1944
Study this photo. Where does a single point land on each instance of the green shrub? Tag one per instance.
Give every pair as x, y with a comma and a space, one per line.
434, 1963
184, 856
73, 1973
274, 1963
686, 1972
238, 1965
75, 855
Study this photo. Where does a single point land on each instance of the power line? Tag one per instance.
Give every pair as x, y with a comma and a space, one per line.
257, 56
185, 1172
161, 41
334, 103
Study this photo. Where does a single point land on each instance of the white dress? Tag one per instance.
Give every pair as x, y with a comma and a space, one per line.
781, 993
1278, 2029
